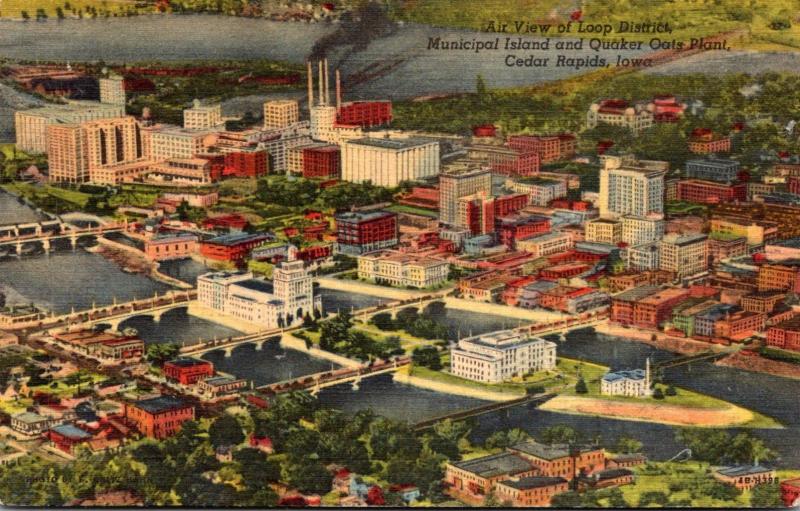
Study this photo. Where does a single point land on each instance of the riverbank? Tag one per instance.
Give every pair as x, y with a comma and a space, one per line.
133, 260
761, 365
661, 341
404, 376
537, 315
297, 344
355, 286
660, 413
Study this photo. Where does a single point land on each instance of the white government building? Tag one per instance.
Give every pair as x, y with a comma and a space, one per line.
635, 383
286, 299
498, 356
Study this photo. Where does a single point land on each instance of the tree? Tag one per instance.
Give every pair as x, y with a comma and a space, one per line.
25, 15
628, 445
225, 431
653, 498
672, 391
560, 434
336, 330
503, 439
658, 393
383, 321
491, 500
406, 317
160, 353
60, 13
566, 500
766, 496
256, 469
308, 475
580, 387
427, 356
616, 499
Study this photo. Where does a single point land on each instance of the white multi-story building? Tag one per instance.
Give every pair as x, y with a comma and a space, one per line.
283, 302
603, 230
541, 190
401, 269
31, 125
167, 141
635, 383
619, 112
112, 90
499, 356
281, 113
201, 116
684, 255
388, 162
637, 230
546, 244
643, 257
460, 182
631, 188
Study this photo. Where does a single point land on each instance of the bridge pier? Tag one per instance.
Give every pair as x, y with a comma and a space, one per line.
46, 245
229, 351
74, 241
19, 248
260, 344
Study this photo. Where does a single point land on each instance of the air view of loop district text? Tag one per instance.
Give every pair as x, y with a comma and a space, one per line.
517, 253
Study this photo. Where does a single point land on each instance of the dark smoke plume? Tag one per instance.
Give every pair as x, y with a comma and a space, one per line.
357, 28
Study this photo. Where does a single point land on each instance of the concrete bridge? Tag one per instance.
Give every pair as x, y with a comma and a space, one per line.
482, 409
316, 382
116, 313
231, 343
688, 359
17, 239
393, 307
564, 325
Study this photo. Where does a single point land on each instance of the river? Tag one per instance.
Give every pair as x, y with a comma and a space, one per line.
12, 212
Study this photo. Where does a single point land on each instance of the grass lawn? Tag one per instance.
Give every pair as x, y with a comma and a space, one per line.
31, 192
13, 8
657, 476
407, 341
402, 208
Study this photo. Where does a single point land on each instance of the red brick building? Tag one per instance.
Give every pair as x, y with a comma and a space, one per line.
226, 222
246, 163
530, 491
232, 247
710, 192
516, 227
321, 162
365, 113
188, 371
548, 147
159, 417
314, 252
509, 204
66, 436
779, 277
705, 141
561, 460
739, 325
359, 232
651, 311
165, 248
785, 335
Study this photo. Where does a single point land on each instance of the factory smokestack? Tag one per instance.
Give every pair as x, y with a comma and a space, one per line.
338, 91
321, 85
310, 86
327, 85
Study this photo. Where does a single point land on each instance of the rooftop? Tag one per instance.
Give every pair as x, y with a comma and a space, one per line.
551, 451
637, 293
527, 483
237, 239
188, 362
161, 404
70, 431
495, 465
393, 143
743, 470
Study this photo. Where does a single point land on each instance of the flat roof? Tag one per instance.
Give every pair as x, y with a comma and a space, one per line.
527, 483
636, 293
236, 239
160, 404
742, 470
70, 431
549, 451
495, 465
188, 362
393, 143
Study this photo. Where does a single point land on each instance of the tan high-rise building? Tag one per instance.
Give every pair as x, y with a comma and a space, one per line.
457, 182
66, 153
31, 125
201, 117
112, 90
112, 141
281, 113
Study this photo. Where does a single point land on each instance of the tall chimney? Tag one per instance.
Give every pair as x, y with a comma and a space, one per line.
327, 85
321, 85
310, 86
338, 91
